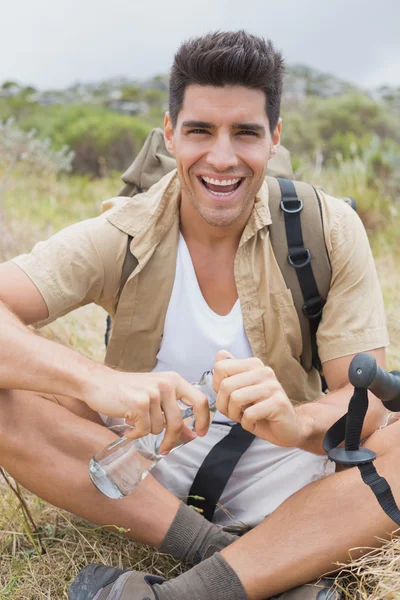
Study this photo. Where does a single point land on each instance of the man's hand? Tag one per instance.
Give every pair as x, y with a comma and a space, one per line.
148, 402
250, 394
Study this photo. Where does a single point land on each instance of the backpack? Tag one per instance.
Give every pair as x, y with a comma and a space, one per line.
296, 233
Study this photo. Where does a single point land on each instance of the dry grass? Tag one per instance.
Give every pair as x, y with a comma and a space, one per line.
389, 275
373, 576
40, 565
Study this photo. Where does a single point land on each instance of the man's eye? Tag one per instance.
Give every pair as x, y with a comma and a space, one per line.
247, 132
198, 131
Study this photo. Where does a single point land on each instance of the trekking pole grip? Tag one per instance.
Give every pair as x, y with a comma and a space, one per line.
364, 373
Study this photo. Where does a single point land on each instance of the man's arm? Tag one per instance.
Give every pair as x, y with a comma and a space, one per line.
29, 362
318, 416
249, 393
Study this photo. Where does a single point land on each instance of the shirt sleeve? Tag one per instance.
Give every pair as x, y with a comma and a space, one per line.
76, 266
353, 318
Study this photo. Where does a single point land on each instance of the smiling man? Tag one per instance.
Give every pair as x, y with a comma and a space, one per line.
221, 161
207, 284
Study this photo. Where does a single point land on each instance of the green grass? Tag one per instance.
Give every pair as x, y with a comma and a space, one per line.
46, 205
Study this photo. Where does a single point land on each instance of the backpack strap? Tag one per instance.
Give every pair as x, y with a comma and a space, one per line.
295, 240
298, 241
130, 264
216, 470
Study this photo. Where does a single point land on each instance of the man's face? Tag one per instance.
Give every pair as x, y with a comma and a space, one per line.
222, 145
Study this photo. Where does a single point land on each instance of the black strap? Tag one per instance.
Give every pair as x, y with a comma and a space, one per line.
216, 469
348, 428
129, 265
299, 258
108, 330
381, 489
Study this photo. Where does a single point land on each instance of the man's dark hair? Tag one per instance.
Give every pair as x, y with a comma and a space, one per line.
228, 58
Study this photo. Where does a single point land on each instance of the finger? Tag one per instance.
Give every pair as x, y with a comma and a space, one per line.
227, 368
187, 435
241, 380
193, 397
139, 420
222, 354
273, 409
157, 420
261, 411
241, 399
173, 421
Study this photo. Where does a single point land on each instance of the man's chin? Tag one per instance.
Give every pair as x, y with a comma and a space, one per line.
220, 218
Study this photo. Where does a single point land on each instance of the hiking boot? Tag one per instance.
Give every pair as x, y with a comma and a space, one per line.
324, 589
98, 582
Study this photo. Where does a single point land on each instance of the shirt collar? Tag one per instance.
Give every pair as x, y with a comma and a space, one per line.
146, 217
260, 215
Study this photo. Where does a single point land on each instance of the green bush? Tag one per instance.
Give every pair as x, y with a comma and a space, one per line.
335, 125
101, 139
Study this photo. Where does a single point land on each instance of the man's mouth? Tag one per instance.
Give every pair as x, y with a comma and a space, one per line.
221, 187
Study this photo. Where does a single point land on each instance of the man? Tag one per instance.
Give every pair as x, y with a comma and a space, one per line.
206, 280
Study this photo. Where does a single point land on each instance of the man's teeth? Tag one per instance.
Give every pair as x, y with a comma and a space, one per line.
219, 182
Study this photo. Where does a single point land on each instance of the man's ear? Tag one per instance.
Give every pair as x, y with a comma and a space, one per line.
169, 134
276, 138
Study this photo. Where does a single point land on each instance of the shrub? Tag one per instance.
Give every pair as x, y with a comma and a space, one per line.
101, 139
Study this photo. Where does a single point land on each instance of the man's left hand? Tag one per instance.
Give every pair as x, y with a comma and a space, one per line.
250, 394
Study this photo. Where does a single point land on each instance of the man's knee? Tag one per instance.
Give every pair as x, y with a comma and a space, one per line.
386, 442
22, 411
21, 408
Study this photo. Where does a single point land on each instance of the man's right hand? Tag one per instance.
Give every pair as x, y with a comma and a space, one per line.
148, 402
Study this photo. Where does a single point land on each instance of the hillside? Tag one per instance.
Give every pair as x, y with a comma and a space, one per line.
105, 124
345, 139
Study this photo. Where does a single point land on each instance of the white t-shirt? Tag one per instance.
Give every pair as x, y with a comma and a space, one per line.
193, 333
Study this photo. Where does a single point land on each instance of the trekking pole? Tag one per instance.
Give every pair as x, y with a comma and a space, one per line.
364, 375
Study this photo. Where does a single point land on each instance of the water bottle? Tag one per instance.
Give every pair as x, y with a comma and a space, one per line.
119, 467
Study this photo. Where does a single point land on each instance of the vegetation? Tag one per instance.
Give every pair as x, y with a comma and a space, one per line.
106, 124
347, 143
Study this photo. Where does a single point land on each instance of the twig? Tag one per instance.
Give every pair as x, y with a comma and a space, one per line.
31, 526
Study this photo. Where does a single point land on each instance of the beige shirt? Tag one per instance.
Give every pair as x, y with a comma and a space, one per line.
83, 264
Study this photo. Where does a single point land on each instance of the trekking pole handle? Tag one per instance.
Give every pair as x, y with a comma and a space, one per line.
364, 373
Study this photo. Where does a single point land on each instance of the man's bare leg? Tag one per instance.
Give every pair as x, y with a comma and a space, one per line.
47, 449
317, 526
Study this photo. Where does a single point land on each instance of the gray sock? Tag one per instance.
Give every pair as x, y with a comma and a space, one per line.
213, 579
191, 535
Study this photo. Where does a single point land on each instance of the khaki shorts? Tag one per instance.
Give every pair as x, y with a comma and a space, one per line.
263, 478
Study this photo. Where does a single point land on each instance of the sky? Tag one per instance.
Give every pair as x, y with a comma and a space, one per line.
53, 44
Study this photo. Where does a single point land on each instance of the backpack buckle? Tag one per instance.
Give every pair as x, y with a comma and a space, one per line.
312, 309
292, 210
299, 257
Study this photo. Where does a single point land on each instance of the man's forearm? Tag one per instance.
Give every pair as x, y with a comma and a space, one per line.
318, 416
30, 362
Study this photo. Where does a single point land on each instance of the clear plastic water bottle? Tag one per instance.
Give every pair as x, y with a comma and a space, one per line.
119, 467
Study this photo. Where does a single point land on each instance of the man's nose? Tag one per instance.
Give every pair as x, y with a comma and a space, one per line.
222, 154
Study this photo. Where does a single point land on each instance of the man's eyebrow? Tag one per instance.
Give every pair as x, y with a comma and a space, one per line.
249, 127
199, 124
243, 126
